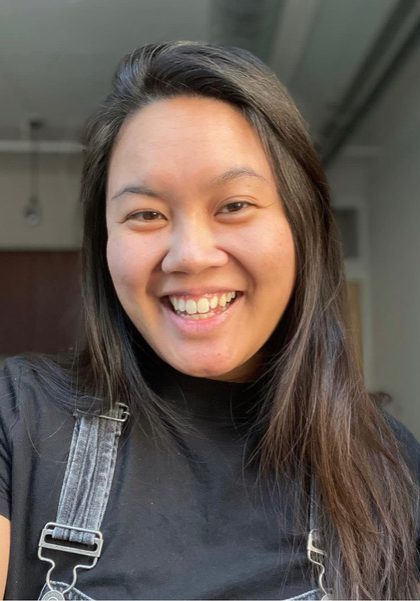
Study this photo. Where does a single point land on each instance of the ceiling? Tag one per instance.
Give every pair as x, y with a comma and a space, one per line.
57, 56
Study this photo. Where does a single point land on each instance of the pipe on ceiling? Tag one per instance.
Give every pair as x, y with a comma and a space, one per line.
398, 38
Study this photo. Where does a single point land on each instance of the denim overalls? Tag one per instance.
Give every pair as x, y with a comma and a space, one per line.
83, 500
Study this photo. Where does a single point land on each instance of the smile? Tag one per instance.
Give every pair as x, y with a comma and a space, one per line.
203, 307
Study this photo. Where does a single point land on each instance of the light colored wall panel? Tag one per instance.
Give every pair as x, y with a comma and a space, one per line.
60, 225
394, 217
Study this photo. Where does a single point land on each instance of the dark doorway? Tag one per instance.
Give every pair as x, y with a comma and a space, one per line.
39, 301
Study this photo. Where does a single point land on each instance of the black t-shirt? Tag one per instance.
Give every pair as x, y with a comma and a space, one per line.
185, 520
190, 519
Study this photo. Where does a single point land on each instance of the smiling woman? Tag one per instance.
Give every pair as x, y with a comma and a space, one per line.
203, 194
252, 464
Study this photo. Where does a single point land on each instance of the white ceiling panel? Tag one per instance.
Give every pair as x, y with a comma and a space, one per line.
57, 56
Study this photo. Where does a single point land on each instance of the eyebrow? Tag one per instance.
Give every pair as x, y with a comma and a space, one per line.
234, 173
223, 178
140, 189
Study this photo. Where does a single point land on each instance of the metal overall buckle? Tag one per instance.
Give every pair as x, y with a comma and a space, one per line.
123, 412
93, 551
315, 555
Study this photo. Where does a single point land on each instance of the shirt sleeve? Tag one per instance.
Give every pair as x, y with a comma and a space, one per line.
8, 385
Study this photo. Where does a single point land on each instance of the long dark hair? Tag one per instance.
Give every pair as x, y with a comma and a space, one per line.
316, 412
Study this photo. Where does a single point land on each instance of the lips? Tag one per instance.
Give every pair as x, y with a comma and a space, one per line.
198, 325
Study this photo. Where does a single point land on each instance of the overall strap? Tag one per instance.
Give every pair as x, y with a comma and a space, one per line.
85, 492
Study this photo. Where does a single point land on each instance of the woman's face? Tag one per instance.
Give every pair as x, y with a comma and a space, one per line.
199, 249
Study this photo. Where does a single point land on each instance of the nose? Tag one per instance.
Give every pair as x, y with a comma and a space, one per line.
192, 249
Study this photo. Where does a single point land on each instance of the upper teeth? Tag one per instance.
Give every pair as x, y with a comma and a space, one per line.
202, 304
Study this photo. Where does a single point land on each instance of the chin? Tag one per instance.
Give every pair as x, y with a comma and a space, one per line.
227, 372
205, 370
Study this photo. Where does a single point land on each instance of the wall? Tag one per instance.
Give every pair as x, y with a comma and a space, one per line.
394, 217
385, 188
393, 200
24, 325
60, 227
347, 177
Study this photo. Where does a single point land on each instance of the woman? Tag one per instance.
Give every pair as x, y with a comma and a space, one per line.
239, 453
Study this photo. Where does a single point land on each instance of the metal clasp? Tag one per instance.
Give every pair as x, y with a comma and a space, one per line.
313, 550
69, 547
125, 414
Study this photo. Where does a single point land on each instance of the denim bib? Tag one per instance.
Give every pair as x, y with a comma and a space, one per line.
84, 497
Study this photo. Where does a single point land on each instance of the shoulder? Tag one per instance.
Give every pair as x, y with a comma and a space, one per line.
10, 376
407, 442
19, 375
35, 430
36, 415
15, 372
27, 394
10, 383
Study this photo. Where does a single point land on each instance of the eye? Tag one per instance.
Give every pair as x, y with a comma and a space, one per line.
235, 207
148, 215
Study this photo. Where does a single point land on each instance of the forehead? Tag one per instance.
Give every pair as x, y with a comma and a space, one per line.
185, 137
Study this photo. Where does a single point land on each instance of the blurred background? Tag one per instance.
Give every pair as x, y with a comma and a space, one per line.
353, 67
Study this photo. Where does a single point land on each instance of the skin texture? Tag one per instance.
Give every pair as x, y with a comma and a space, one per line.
188, 162
4, 552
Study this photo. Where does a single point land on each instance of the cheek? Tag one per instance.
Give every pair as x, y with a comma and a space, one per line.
270, 256
121, 263
278, 249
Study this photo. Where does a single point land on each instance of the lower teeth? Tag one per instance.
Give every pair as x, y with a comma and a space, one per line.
197, 315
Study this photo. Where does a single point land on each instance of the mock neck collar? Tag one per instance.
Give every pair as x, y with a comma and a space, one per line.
217, 401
